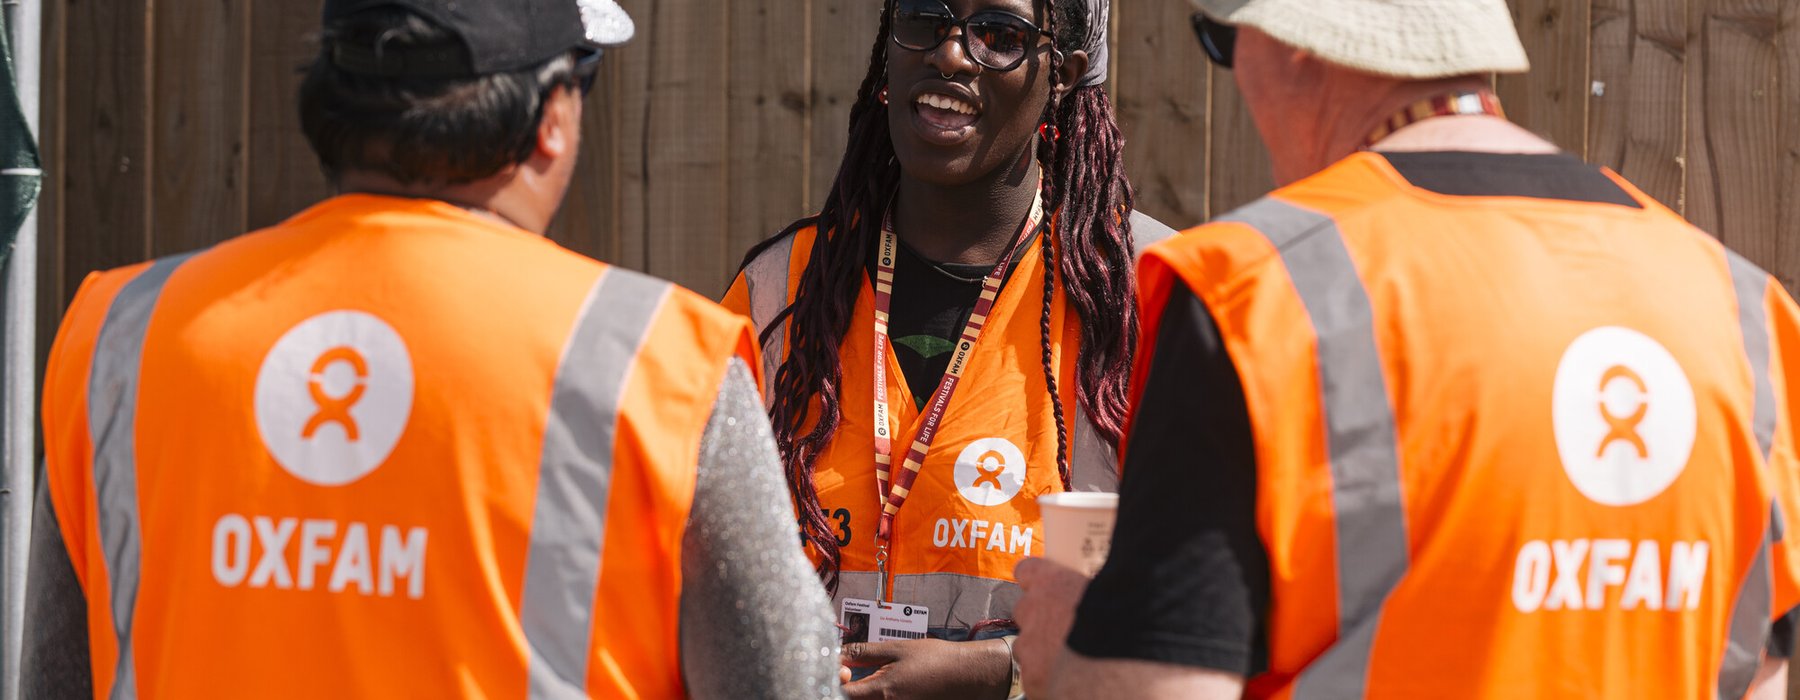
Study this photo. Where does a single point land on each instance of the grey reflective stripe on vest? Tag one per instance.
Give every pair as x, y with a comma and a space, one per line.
1146, 232
853, 584
112, 419
1751, 613
956, 601
1748, 631
1751, 285
1361, 437
766, 278
1093, 464
568, 523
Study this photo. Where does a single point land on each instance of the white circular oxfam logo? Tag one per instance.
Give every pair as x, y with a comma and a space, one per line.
990, 471
1624, 416
333, 396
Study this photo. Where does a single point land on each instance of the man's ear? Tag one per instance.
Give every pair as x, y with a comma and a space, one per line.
559, 132
1074, 65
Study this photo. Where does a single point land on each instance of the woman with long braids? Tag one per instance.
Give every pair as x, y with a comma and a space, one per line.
950, 337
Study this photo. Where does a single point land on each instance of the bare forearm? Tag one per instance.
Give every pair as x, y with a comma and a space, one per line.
1078, 676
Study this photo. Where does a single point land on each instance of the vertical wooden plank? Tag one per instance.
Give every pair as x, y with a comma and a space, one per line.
1738, 98
1238, 167
767, 104
283, 175
104, 174
1551, 99
1163, 112
1612, 44
198, 138
631, 160
840, 50
1787, 153
1699, 199
685, 144
52, 153
1635, 100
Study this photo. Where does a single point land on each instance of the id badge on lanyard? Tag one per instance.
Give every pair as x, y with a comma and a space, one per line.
877, 621
893, 487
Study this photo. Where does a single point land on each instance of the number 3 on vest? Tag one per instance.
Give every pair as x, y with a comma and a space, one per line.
843, 518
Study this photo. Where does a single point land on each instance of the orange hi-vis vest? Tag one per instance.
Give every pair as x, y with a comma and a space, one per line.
1506, 447
972, 515
386, 448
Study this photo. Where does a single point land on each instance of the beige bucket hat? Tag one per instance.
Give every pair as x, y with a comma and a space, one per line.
1418, 39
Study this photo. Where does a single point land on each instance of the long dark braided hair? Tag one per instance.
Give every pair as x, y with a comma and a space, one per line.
1084, 184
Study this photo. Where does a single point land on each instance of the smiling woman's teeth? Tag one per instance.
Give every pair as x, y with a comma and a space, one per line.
946, 103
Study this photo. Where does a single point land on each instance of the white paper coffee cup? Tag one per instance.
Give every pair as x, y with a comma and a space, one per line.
1078, 528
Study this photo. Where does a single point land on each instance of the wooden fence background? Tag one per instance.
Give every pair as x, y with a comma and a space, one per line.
171, 124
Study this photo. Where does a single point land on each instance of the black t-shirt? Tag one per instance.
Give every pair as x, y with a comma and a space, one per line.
931, 303
1187, 580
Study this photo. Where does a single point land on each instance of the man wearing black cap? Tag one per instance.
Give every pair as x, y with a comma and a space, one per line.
401, 445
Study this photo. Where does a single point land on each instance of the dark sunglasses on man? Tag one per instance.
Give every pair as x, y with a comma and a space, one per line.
587, 68
997, 40
1219, 40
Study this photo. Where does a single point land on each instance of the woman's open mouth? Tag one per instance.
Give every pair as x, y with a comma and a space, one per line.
944, 119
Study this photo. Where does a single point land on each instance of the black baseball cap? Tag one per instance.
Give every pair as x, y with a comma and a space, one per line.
494, 36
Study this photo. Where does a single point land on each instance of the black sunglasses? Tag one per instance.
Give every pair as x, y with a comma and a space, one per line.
1219, 40
587, 69
996, 40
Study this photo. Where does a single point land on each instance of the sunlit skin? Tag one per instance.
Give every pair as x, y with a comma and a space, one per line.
946, 149
1312, 113
967, 181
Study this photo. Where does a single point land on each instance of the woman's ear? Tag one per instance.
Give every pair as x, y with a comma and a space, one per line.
1074, 65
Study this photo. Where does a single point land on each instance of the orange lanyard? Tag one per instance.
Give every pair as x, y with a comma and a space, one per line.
893, 495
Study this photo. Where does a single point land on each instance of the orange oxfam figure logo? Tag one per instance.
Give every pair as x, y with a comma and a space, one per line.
986, 475
1624, 428
336, 409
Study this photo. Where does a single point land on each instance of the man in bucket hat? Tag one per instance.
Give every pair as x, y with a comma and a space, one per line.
1449, 414
400, 445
